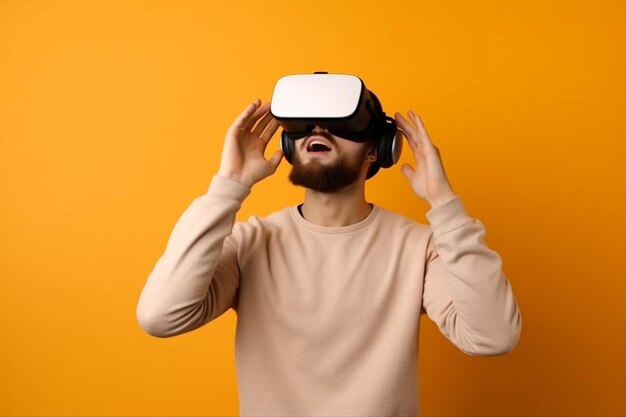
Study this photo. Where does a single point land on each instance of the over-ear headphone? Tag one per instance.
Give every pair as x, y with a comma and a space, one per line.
384, 133
389, 139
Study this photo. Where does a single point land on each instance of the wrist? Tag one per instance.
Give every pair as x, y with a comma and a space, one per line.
235, 177
227, 189
441, 200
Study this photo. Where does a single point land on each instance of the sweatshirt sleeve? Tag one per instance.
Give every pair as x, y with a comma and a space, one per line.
196, 279
466, 292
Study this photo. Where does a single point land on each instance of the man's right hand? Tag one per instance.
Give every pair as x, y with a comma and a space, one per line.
244, 147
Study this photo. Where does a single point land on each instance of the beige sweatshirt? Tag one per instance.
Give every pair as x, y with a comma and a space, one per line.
328, 317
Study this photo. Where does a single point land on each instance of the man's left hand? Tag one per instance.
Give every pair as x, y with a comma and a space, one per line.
428, 179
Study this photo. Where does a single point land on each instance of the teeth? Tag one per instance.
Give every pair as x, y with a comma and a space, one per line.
318, 142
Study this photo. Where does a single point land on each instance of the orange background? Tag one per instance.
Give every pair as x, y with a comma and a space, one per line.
112, 118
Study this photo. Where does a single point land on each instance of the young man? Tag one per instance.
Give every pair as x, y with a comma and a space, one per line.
329, 294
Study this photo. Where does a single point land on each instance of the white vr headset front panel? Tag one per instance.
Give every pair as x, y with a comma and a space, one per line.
316, 96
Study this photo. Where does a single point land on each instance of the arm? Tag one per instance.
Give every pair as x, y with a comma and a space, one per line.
465, 291
197, 277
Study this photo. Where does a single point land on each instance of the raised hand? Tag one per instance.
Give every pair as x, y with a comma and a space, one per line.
244, 146
428, 179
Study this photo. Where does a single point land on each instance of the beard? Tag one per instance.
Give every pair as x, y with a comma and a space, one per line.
326, 178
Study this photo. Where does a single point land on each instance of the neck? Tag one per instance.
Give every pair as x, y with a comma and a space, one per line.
342, 208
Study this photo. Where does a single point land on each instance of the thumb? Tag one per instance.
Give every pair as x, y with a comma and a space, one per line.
275, 159
408, 171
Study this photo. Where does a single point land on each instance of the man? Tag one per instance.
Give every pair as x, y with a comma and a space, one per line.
328, 294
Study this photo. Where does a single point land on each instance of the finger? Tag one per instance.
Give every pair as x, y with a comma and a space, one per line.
256, 116
423, 134
405, 124
261, 124
409, 131
408, 171
270, 130
414, 147
241, 120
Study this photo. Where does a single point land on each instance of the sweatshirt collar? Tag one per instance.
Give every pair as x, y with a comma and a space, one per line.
301, 221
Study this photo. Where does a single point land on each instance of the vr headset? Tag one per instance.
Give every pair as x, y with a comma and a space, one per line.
341, 104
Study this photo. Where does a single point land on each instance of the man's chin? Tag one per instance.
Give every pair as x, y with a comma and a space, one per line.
325, 178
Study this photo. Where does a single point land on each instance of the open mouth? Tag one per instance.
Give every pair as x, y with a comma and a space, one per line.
318, 146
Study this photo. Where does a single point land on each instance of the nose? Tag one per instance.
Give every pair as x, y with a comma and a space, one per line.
318, 129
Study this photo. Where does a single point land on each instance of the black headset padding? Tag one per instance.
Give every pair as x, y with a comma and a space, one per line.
288, 147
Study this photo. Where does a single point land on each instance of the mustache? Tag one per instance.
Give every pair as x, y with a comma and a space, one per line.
325, 135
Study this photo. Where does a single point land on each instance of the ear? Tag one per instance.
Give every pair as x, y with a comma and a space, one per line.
372, 154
